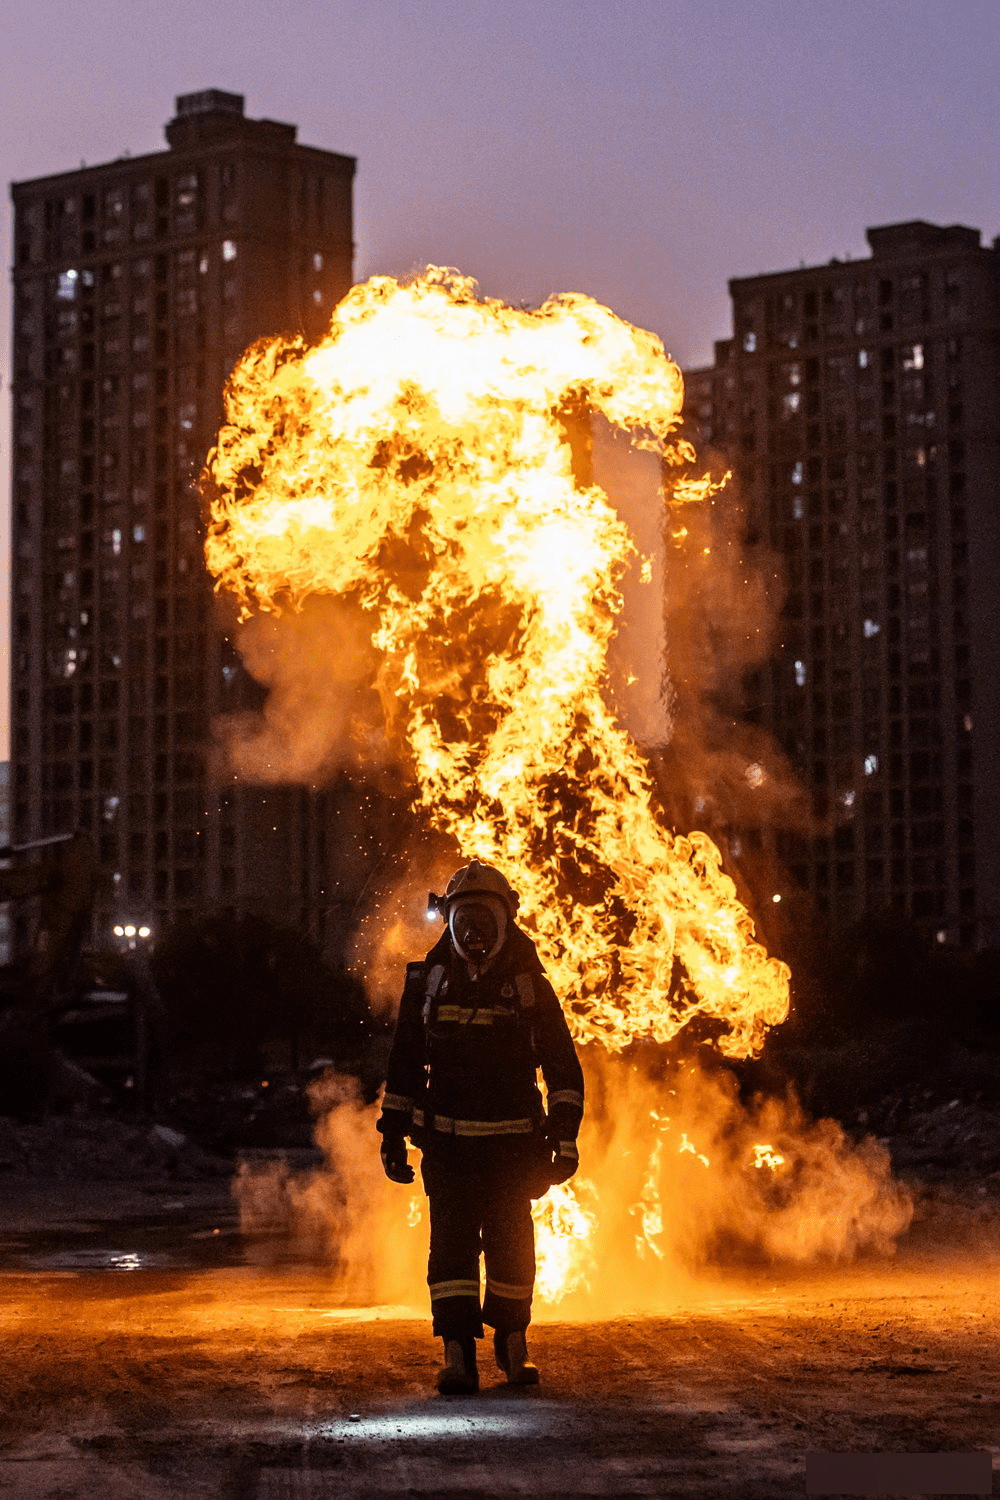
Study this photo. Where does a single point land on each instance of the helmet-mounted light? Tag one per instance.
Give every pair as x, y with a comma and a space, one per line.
437, 906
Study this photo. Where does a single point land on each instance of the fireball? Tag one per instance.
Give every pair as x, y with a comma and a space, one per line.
426, 464
419, 461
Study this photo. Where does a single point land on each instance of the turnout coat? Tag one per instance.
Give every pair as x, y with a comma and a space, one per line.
466, 1051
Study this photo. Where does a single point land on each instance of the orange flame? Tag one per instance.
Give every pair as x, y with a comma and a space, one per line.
564, 1226
418, 460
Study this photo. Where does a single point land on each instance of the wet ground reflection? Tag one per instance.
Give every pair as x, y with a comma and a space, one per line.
161, 1242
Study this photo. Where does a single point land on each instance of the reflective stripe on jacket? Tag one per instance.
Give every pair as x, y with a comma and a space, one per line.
466, 1050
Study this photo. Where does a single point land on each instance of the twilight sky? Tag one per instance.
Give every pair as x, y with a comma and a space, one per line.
642, 151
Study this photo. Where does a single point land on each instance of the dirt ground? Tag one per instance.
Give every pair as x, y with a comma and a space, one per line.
153, 1376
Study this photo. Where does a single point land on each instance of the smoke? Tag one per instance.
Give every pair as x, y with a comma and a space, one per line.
678, 1181
722, 593
393, 928
322, 713
347, 1216
703, 1179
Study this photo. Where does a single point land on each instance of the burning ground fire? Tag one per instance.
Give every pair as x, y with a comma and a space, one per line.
422, 464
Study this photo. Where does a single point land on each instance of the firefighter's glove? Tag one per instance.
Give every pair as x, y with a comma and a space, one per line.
394, 1162
565, 1161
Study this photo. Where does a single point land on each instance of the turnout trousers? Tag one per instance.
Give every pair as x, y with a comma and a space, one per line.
479, 1201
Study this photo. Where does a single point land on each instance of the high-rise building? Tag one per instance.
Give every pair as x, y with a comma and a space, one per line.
136, 286
859, 404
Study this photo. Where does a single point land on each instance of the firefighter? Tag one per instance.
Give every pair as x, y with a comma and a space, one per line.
477, 1019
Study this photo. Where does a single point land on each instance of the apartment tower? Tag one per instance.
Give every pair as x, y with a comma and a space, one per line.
137, 284
859, 403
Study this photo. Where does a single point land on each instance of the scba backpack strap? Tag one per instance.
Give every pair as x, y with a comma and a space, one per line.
433, 987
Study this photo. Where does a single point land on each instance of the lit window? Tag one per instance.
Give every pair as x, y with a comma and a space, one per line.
862, 359
847, 798
798, 473
203, 266
791, 403
138, 533
871, 628
913, 357
110, 810
66, 289
750, 343
228, 249
317, 262
798, 507
800, 674
871, 765
317, 295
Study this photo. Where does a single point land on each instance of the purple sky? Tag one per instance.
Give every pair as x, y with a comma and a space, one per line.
642, 151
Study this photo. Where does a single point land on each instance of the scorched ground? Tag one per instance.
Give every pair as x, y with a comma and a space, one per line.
245, 1380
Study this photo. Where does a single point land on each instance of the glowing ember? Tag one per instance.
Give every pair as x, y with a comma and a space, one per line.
419, 462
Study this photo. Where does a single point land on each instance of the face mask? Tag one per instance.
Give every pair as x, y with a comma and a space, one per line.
478, 927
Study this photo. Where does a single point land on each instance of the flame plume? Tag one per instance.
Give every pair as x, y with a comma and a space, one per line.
419, 461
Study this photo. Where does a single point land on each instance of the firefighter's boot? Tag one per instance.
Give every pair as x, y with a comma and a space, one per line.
458, 1375
512, 1357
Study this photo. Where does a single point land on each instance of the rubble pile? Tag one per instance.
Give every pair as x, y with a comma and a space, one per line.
102, 1148
955, 1139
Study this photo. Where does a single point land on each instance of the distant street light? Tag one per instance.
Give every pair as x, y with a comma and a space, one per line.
130, 931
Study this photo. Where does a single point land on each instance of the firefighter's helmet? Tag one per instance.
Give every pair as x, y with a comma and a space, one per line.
476, 878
